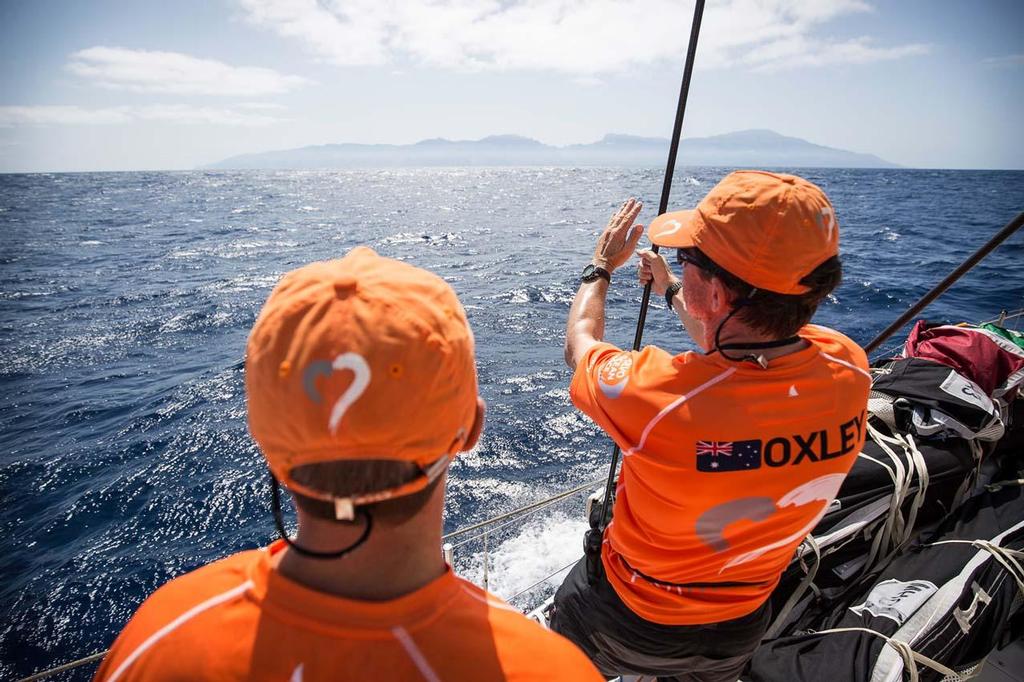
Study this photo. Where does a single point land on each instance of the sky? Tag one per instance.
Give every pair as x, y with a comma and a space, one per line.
128, 85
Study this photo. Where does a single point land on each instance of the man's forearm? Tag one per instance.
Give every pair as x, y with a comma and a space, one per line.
586, 320
614, 247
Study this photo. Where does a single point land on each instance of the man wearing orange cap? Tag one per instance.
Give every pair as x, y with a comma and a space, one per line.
730, 456
361, 388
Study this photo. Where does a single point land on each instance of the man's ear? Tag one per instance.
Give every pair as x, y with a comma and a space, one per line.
721, 297
478, 425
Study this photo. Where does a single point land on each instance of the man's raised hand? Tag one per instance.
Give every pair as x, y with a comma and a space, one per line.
619, 239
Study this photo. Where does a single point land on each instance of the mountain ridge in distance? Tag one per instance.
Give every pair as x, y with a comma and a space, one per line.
748, 148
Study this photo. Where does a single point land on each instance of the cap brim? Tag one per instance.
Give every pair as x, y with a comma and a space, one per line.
675, 229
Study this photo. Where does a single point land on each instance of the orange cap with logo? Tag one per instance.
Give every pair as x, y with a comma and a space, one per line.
363, 357
768, 229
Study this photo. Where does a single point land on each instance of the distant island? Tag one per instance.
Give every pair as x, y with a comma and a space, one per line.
749, 148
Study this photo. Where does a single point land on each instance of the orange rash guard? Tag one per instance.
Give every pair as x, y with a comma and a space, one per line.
239, 619
726, 467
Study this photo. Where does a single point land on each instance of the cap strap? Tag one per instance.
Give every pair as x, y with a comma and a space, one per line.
275, 508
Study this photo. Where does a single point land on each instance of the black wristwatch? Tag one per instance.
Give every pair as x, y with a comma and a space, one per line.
592, 272
670, 293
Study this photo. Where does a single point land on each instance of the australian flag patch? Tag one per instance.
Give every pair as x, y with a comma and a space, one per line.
728, 455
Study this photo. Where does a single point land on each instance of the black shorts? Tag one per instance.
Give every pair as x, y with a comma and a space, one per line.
619, 642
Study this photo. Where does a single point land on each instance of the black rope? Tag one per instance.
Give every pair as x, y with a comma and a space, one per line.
275, 507
951, 278
666, 189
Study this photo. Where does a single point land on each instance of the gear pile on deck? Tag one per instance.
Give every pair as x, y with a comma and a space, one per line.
916, 569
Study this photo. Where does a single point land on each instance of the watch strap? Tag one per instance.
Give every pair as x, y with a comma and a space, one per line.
593, 272
670, 293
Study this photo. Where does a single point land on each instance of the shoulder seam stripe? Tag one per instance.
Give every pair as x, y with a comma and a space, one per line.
490, 601
673, 405
415, 654
176, 623
845, 364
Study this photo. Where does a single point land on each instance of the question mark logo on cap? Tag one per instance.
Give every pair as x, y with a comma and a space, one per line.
360, 380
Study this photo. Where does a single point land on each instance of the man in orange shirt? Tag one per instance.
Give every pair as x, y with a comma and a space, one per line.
361, 388
731, 456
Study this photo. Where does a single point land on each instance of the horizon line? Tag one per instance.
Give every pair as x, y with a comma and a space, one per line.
370, 169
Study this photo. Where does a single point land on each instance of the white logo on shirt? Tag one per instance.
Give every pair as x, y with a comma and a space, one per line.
613, 375
713, 522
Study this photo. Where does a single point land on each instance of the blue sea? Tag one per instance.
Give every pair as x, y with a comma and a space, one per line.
126, 299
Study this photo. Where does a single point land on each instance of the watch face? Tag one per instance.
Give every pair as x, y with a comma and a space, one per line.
588, 273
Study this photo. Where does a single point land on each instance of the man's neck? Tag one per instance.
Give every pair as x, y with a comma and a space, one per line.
736, 333
393, 562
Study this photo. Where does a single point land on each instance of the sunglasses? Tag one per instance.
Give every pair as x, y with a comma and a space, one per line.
684, 258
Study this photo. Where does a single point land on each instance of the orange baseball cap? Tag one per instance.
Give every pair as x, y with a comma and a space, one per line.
768, 229
363, 357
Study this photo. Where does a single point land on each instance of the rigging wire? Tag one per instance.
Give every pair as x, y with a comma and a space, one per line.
950, 279
535, 506
666, 189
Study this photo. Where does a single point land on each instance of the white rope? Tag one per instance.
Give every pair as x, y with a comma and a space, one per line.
910, 657
894, 523
921, 469
999, 485
877, 536
897, 530
1009, 558
977, 452
896, 527
808, 581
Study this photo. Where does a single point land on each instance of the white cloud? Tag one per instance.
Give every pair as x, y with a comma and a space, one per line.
59, 115
1009, 61
176, 73
261, 106
801, 52
50, 115
578, 37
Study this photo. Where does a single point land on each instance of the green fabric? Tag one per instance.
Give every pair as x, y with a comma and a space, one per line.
1010, 335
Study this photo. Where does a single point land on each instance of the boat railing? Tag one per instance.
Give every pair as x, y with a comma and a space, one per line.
516, 514
486, 533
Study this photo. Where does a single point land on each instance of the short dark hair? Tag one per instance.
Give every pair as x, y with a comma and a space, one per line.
778, 315
348, 478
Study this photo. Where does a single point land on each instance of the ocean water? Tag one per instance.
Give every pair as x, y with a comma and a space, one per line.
126, 299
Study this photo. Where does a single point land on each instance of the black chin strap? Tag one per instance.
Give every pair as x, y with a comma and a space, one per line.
275, 507
757, 358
